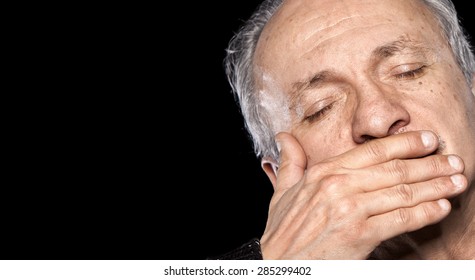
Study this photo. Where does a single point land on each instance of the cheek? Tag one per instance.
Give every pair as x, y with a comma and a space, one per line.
453, 103
324, 140
442, 97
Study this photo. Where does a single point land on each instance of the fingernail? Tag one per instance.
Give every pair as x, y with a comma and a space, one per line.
444, 204
457, 180
455, 162
427, 139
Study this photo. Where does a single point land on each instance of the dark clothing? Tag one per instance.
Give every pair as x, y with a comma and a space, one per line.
249, 251
252, 251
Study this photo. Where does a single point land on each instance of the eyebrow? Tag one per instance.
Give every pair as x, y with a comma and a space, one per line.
315, 81
401, 45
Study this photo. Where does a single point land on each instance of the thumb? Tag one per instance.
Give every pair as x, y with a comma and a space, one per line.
293, 161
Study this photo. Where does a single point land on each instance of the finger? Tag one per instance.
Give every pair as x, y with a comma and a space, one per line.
404, 220
410, 195
292, 161
412, 144
409, 171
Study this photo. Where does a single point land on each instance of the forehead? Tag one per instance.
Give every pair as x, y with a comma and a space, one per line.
303, 32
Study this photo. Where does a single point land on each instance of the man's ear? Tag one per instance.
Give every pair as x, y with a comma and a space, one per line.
270, 167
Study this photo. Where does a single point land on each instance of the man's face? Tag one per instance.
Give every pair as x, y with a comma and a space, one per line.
339, 73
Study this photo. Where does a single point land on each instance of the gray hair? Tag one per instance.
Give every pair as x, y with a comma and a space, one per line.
239, 66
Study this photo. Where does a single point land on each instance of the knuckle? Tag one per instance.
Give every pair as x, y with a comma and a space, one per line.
398, 168
413, 142
432, 211
429, 212
376, 150
332, 184
403, 216
405, 192
441, 186
435, 165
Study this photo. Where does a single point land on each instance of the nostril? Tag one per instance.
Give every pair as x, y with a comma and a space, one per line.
378, 117
397, 127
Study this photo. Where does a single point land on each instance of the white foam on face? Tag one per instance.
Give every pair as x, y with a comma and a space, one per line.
275, 102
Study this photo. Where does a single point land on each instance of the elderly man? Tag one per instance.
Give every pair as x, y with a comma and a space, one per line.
363, 115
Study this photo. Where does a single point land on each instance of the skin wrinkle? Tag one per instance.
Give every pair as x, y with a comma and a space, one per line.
334, 25
317, 44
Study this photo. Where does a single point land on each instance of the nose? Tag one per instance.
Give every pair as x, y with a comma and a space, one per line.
379, 113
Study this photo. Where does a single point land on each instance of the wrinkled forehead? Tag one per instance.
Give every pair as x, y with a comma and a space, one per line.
303, 29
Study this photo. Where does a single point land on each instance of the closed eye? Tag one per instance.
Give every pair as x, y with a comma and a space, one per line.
319, 114
413, 74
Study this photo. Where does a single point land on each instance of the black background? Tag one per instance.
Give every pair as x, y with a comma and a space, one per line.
157, 164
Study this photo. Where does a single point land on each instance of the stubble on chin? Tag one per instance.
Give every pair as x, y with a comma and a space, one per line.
442, 146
